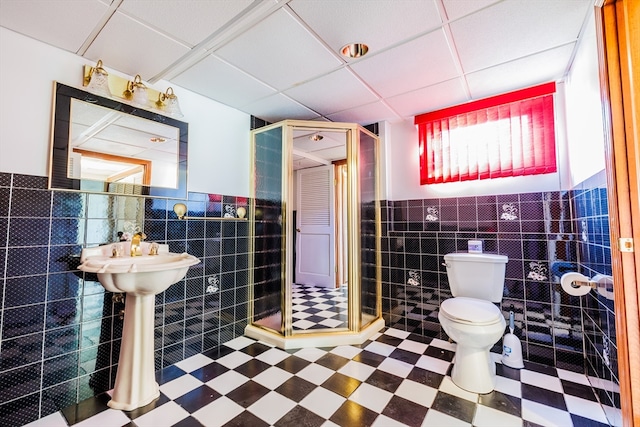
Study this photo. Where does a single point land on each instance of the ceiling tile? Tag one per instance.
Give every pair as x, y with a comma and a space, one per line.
441, 95
188, 20
530, 71
280, 51
516, 28
379, 24
336, 91
72, 20
458, 8
419, 63
134, 48
366, 114
278, 107
218, 80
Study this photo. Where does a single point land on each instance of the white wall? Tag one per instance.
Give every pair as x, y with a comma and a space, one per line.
218, 135
585, 132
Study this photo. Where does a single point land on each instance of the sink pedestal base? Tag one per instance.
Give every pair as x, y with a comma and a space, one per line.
136, 384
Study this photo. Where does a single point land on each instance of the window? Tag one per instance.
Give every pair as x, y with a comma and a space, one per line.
506, 135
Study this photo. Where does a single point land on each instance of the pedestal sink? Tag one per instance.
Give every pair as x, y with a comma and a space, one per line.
141, 278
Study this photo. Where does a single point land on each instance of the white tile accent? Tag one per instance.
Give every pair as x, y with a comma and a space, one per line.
585, 408
222, 410
489, 417
311, 354
273, 356
168, 414
541, 380
384, 421
235, 359
396, 367
272, 378
413, 346
194, 362
239, 342
380, 348
545, 415
52, 420
397, 333
272, 407
315, 374
416, 392
449, 387
371, 397
180, 386
435, 418
227, 382
574, 377
347, 351
432, 364
508, 386
322, 402
357, 370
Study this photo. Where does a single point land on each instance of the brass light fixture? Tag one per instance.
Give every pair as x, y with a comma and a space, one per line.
316, 137
97, 81
168, 102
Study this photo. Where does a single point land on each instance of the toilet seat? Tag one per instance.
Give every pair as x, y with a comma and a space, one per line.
471, 311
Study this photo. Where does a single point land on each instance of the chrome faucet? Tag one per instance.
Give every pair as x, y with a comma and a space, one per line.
136, 250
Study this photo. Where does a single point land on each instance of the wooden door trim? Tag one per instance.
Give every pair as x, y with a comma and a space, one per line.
619, 69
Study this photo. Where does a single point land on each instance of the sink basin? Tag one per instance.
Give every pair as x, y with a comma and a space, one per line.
138, 275
141, 278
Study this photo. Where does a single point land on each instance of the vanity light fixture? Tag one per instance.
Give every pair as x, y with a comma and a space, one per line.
136, 92
168, 102
98, 80
354, 50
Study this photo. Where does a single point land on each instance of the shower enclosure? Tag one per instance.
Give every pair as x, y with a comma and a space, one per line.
279, 151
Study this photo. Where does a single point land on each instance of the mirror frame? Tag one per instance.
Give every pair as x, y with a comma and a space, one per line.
60, 129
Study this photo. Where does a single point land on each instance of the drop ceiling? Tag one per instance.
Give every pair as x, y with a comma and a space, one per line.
280, 59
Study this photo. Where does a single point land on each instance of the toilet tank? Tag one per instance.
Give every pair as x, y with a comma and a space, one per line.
476, 275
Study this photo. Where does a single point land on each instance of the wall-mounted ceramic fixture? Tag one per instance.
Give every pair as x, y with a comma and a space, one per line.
180, 209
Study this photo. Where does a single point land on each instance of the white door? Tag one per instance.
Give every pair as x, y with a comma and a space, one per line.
315, 242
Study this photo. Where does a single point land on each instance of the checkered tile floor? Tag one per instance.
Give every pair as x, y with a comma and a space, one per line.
319, 308
395, 379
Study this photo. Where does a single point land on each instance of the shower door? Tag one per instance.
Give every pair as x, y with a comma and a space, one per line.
272, 231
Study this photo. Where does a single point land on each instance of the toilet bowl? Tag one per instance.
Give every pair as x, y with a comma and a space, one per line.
471, 318
475, 325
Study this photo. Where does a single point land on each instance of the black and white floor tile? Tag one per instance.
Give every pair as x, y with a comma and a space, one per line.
315, 307
394, 379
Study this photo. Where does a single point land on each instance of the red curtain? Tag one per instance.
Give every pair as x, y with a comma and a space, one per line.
507, 135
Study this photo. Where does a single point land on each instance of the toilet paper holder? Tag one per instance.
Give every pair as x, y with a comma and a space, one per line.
578, 283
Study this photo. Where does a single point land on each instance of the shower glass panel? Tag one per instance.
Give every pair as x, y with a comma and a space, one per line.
268, 236
369, 228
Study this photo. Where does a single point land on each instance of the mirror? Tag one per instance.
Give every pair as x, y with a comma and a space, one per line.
104, 145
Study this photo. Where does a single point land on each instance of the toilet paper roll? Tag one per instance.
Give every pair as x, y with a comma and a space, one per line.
605, 285
568, 278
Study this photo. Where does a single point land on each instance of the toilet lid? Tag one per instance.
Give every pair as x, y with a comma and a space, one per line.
470, 310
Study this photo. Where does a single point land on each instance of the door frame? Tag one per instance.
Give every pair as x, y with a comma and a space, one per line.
618, 24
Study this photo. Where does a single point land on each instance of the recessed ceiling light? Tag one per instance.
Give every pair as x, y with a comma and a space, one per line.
157, 140
354, 50
316, 137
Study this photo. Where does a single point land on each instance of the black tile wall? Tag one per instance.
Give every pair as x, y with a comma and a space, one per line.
60, 331
533, 229
591, 221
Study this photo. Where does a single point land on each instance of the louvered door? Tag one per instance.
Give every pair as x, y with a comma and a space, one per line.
315, 245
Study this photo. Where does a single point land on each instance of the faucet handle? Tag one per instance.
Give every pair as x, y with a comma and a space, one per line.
153, 249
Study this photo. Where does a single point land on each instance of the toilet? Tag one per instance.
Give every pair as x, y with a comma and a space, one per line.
471, 319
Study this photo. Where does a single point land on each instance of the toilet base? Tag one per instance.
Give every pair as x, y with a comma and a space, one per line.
474, 370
